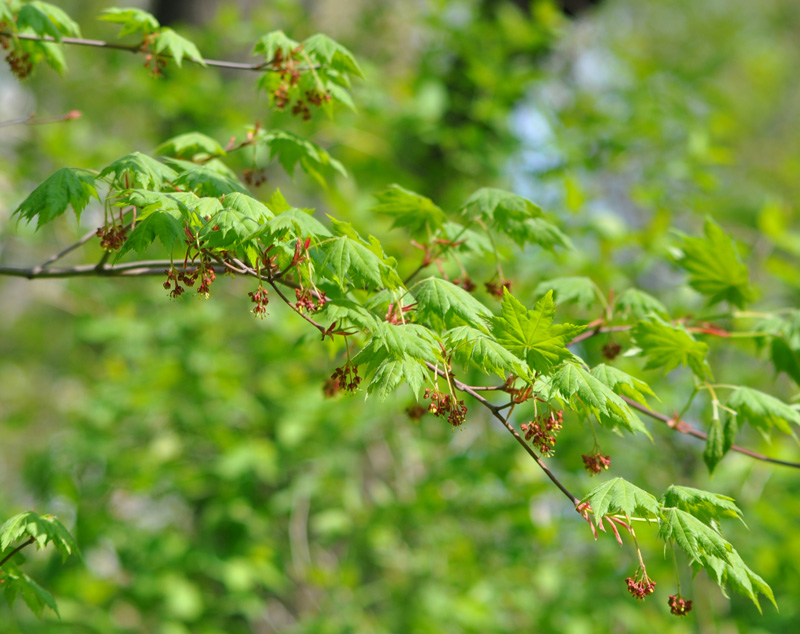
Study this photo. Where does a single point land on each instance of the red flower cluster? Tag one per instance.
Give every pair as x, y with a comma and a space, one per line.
112, 237
678, 605
542, 431
260, 298
611, 350
445, 406
204, 273
307, 301
595, 462
497, 289
465, 282
640, 586
344, 378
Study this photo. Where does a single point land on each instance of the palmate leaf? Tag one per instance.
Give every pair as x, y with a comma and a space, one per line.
620, 496
704, 505
669, 346
137, 170
697, 539
639, 304
351, 260
213, 178
715, 268
737, 574
166, 226
542, 232
270, 43
395, 353
623, 383
468, 344
410, 210
131, 21
513, 215
177, 46
440, 302
44, 18
296, 222
44, 529
191, 145
580, 290
67, 187
332, 54
291, 149
762, 410
573, 382
531, 335
16, 583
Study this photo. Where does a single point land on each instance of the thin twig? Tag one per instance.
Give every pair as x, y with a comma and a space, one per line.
69, 249
137, 48
495, 410
16, 550
32, 119
685, 428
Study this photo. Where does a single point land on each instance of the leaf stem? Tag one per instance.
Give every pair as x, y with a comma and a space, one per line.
16, 550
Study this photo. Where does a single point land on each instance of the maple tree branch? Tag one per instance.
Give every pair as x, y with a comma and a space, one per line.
16, 550
32, 119
137, 48
685, 428
495, 410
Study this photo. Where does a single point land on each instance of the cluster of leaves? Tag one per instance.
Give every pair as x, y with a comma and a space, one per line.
15, 534
689, 518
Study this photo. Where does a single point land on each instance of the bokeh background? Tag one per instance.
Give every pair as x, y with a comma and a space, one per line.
211, 485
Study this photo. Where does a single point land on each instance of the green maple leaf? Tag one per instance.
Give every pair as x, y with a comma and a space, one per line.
531, 335
441, 302
639, 304
698, 539
468, 344
573, 382
138, 170
408, 209
131, 21
704, 505
762, 410
191, 145
620, 496
715, 268
67, 187
669, 346
177, 46
332, 53
580, 290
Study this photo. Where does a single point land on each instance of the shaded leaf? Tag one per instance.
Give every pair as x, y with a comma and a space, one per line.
715, 268
67, 187
408, 209
438, 301
669, 346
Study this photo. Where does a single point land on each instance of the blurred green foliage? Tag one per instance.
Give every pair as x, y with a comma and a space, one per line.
211, 485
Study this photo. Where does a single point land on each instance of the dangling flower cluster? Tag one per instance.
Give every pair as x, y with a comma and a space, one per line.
260, 299
497, 289
542, 431
640, 585
112, 236
445, 406
415, 412
595, 462
465, 282
346, 377
153, 63
611, 350
204, 272
20, 63
678, 605
306, 300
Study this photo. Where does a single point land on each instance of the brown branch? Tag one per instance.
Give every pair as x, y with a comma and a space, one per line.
685, 428
596, 331
137, 48
16, 550
32, 119
495, 410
